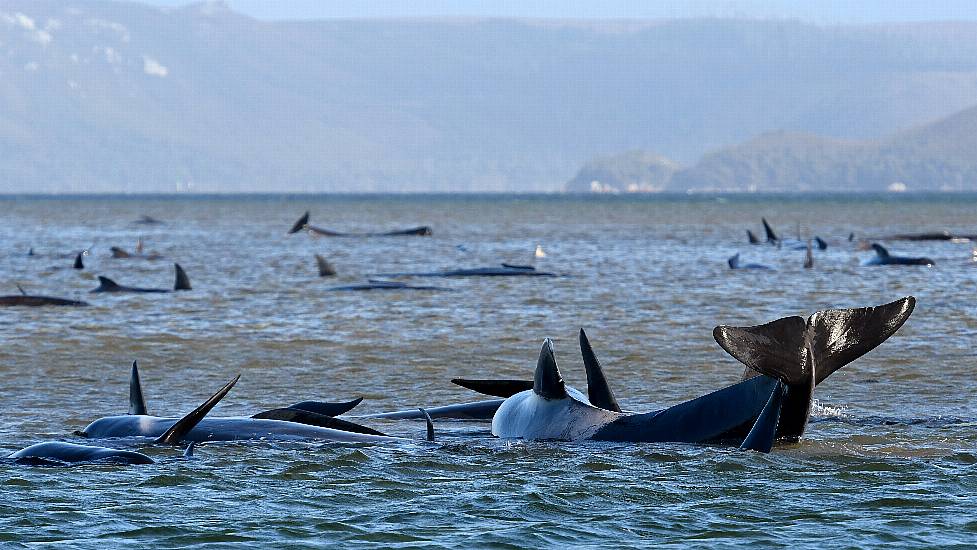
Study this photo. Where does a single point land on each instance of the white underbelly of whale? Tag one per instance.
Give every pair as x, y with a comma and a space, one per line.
526, 415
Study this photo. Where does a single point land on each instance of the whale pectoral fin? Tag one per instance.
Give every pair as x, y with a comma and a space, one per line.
430, 424
137, 403
300, 224
839, 336
764, 430
178, 431
548, 382
777, 349
326, 408
310, 418
182, 281
495, 388
598, 391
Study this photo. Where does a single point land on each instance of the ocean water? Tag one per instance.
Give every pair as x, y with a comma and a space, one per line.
890, 455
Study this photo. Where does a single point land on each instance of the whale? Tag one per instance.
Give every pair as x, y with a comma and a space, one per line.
882, 257
734, 263
374, 284
28, 300
326, 269
774, 239
551, 411
108, 285
504, 270
296, 424
148, 220
58, 453
303, 224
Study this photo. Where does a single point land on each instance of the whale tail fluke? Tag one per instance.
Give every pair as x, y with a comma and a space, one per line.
106, 285
300, 224
777, 349
764, 431
137, 403
183, 426
430, 424
326, 269
771, 236
839, 336
598, 390
78, 263
495, 388
752, 238
734, 261
548, 382
182, 281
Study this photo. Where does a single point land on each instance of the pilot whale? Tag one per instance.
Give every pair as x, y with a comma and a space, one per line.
882, 257
303, 223
552, 411
278, 424
24, 299
505, 270
734, 263
108, 285
375, 284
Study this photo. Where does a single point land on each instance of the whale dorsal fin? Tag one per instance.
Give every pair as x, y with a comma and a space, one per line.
30, 251
771, 236
137, 403
734, 261
106, 284
752, 237
821, 244
78, 263
777, 349
327, 408
839, 336
118, 252
598, 391
300, 224
430, 424
548, 382
182, 281
178, 431
880, 250
495, 388
325, 268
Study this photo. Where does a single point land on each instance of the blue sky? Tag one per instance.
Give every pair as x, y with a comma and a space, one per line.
820, 11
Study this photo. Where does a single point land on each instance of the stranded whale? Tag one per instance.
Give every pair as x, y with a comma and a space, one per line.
505, 270
24, 299
882, 257
303, 223
108, 285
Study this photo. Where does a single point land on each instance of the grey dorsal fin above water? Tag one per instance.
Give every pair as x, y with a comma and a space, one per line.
183, 426
777, 349
325, 268
880, 250
327, 408
300, 224
548, 382
734, 261
771, 236
137, 403
598, 390
751, 237
821, 244
182, 281
309, 418
495, 388
78, 263
429, 422
839, 336
105, 284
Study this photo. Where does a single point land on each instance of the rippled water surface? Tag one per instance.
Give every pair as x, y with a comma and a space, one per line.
889, 456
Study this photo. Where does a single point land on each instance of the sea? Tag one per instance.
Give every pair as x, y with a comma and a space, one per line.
889, 457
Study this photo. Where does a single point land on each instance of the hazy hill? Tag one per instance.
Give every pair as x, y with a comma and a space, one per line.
106, 96
933, 157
